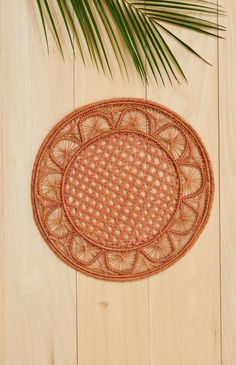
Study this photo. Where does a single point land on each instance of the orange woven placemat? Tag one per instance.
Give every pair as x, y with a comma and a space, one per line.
122, 188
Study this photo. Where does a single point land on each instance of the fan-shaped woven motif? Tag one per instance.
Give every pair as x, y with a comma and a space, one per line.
121, 189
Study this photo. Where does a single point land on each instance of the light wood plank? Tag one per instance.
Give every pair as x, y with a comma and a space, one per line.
227, 93
39, 303
2, 351
112, 317
184, 300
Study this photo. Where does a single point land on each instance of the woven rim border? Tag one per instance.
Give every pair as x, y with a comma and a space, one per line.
175, 116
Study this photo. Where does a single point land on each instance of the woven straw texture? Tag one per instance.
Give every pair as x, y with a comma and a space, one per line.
121, 189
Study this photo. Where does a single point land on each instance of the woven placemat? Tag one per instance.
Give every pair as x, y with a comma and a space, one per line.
122, 188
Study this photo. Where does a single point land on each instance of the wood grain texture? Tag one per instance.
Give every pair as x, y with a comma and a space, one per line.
185, 299
49, 314
227, 108
112, 317
39, 296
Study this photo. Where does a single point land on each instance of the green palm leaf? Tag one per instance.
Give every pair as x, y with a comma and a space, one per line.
135, 28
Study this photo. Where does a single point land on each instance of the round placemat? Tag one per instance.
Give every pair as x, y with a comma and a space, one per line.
122, 188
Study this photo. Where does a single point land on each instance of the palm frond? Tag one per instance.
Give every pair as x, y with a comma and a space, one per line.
135, 29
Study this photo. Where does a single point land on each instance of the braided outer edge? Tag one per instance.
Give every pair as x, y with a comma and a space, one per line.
139, 101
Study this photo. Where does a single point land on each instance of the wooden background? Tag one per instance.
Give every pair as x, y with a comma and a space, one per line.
49, 314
